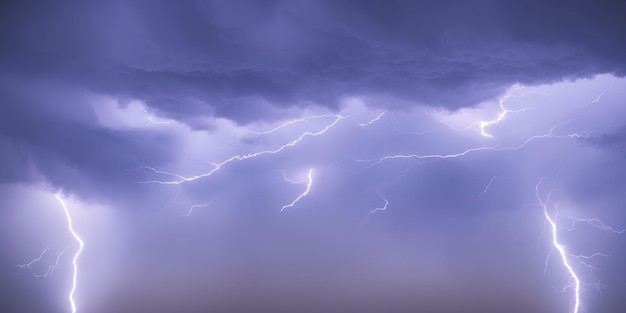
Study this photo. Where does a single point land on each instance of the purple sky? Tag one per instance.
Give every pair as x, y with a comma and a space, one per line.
313, 156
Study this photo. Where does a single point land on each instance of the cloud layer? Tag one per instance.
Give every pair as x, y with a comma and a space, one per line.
178, 131
246, 60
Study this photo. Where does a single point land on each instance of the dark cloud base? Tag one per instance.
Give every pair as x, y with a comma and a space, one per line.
232, 58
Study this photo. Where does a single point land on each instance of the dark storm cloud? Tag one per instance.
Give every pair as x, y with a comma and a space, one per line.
48, 131
71, 70
232, 58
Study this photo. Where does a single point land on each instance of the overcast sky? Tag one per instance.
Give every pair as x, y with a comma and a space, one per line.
312, 156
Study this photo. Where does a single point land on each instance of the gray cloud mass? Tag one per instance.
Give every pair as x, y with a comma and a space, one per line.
227, 58
434, 131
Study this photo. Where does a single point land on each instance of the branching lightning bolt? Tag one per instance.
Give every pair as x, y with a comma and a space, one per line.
217, 166
308, 188
597, 223
76, 255
49, 270
503, 113
564, 255
483, 125
559, 246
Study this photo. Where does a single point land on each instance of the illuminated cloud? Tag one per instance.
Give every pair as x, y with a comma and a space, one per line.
297, 156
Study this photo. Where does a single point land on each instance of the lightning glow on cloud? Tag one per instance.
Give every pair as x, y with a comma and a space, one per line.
459, 146
49, 270
503, 113
196, 206
402, 142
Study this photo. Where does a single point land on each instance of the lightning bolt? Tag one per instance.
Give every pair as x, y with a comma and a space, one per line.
550, 134
217, 166
291, 122
384, 207
59, 254
503, 113
550, 218
377, 118
488, 185
196, 206
177, 179
559, 246
306, 192
49, 270
597, 223
76, 255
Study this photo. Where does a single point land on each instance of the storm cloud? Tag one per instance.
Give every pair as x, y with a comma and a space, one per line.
440, 137
245, 60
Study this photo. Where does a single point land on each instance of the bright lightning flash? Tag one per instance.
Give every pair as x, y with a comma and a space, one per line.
49, 270
559, 246
76, 255
565, 256
217, 166
308, 188
546, 204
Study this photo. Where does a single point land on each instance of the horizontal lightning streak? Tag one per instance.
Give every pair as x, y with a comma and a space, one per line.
597, 223
217, 166
377, 161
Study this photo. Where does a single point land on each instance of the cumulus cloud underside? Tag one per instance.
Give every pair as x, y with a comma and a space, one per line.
230, 58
